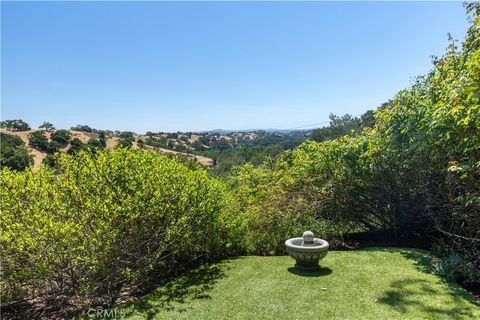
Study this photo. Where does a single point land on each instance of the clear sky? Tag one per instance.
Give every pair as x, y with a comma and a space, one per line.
157, 66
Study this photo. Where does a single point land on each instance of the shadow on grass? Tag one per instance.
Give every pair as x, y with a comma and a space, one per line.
174, 295
407, 293
317, 273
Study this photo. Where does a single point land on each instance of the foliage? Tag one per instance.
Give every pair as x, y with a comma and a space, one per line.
452, 266
416, 174
49, 160
241, 148
94, 144
75, 146
38, 140
101, 222
126, 139
433, 128
47, 126
62, 137
198, 146
102, 138
14, 153
14, 125
265, 215
83, 128
344, 125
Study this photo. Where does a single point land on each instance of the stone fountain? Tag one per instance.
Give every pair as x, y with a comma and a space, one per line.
307, 251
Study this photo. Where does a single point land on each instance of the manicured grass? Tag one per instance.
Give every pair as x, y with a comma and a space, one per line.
364, 284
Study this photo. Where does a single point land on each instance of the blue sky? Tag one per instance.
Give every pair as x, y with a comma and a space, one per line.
157, 66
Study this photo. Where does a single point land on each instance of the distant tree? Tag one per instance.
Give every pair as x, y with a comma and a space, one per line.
62, 137
103, 139
38, 140
14, 153
94, 144
15, 125
204, 140
126, 134
198, 146
83, 128
125, 143
75, 146
47, 126
126, 139
49, 160
180, 147
367, 119
338, 127
52, 147
173, 135
10, 140
220, 145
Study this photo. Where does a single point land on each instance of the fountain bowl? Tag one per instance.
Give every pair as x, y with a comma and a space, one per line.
307, 251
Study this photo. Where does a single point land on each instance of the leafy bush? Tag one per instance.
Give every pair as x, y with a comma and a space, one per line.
38, 140
269, 209
75, 146
95, 144
344, 125
14, 153
415, 174
126, 139
452, 266
62, 137
101, 222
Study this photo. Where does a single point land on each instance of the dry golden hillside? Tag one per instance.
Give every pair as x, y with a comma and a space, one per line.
112, 141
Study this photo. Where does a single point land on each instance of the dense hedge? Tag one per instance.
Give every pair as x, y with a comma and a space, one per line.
102, 222
416, 174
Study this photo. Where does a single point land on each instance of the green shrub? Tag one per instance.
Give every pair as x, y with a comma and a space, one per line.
14, 153
75, 146
269, 209
452, 266
99, 223
416, 173
38, 140
62, 137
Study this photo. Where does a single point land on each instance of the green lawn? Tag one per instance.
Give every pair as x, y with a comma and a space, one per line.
364, 284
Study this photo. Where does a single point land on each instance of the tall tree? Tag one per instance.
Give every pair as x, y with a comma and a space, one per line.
47, 126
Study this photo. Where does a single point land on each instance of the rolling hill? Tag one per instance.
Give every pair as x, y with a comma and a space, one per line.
111, 142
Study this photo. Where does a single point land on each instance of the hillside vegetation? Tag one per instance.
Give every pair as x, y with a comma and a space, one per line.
42, 144
221, 151
100, 224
